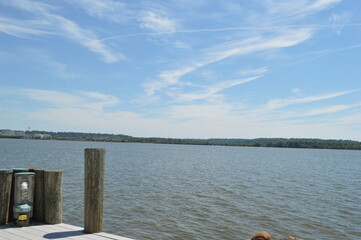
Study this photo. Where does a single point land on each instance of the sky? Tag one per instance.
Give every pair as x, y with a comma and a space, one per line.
182, 68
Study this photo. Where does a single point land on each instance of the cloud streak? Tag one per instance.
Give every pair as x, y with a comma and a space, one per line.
57, 25
86, 38
157, 23
226, 50
82, 100
326, 110
281, 103
109, 10
293, 10
211, 92
231, 29
20, 29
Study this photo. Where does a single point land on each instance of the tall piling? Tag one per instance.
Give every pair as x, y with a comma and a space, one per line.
52, 197
94, 160
6, 176
39, 196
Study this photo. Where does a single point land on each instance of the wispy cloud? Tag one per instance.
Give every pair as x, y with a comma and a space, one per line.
82, 100
250, 72
100, 100
86, 38
157, 22
325, 110
293, 10
296, 91
31, 6
211, 92
53, 97
235, 29
44, 58
90, 112
86, 111
325, 51
200, 112
57, 25
21, 29
280, 103
109, 10
352, 119
226, 50
340, 20
168, 78
320, 5
59, 69
279, 39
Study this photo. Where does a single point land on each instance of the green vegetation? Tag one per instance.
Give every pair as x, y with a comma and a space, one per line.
258, 142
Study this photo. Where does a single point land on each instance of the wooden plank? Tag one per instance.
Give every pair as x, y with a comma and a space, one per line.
41, 230
57, 231
53, 196
18, 234
66, 234
67, 231
111, 236
76, 228
6, 236
69, 226
95, 236
29, 231
49, 228
94, 159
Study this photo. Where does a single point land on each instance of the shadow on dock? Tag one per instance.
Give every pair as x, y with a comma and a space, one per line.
57, 235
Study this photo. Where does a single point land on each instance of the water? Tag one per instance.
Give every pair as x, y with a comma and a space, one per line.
207, 192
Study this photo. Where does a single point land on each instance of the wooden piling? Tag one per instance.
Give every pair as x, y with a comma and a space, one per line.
39, 197
94, 190
53, 196
5, 192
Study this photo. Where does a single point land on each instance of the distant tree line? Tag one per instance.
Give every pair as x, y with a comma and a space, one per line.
290, 143
79, 136
258, 142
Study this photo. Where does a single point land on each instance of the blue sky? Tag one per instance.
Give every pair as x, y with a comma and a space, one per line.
181, 68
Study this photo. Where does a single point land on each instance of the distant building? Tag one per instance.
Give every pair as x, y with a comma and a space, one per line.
7, 132
42, 136
20, 133
11, 133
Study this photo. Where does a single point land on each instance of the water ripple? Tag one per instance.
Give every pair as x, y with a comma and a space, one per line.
208, 192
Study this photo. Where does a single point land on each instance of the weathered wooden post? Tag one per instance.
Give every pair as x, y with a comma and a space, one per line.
52, 197
6, 176
94, 190
39, 197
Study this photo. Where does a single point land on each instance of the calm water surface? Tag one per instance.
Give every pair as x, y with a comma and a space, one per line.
207, 192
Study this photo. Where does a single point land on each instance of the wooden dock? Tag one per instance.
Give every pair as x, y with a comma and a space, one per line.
58, 231
47, 212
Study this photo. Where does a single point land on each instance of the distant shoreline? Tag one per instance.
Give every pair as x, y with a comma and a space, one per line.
309, 143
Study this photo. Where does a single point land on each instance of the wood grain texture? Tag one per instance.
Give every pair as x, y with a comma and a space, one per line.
5, 191
39, 197
53, 197
94, 190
